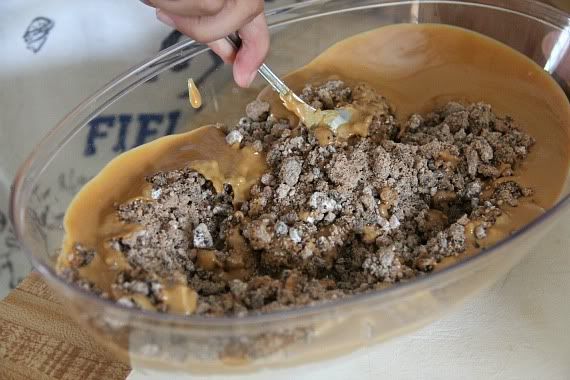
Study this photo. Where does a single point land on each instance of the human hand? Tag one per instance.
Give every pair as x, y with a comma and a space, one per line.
209, 21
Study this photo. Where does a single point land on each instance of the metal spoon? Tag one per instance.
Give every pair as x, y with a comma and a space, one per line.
310, 116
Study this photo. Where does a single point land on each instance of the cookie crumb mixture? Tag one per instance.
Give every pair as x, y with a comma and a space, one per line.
325, 220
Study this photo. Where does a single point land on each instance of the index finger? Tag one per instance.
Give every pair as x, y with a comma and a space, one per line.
254, 48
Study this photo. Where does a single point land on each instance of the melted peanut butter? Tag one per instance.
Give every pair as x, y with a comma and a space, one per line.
349, 120
181, 299
421, 67
91, 217
416, 67
313, 118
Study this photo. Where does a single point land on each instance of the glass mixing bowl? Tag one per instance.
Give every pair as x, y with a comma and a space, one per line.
150, 101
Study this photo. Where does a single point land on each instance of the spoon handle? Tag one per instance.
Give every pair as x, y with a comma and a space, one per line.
274, 81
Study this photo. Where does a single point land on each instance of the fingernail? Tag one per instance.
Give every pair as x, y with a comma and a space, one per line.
163, 17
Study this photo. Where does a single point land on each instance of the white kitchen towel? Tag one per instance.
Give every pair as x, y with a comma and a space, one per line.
54, 54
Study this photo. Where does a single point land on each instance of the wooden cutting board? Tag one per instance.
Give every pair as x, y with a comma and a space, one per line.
39, 340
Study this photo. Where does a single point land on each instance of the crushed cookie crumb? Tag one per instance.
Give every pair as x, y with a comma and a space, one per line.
324, 221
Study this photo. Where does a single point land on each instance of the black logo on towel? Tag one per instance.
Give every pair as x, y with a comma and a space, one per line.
37, 32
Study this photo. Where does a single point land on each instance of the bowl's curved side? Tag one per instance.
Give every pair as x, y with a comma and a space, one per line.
294, 336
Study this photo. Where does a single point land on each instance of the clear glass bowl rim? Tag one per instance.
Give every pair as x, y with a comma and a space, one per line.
65, 130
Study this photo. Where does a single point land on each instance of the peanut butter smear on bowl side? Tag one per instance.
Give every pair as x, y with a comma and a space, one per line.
194, 96
416, 68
